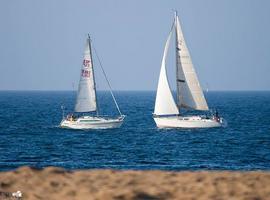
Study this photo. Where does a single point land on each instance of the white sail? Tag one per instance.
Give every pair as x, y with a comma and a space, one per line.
189, 92
165, 104
86, 96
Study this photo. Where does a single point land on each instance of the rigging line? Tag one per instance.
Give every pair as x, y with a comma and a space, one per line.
107, 81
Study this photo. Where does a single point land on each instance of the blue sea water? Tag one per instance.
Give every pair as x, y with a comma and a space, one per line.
29, 134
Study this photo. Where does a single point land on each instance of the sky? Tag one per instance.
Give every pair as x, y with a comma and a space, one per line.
42, 42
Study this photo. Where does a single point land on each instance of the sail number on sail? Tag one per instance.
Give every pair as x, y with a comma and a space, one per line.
85, 73
86, 64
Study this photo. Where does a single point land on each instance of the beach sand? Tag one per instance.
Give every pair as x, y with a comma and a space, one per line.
57, 183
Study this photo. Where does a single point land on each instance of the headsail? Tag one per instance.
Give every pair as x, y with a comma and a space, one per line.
165, 104
86, 95
189, 92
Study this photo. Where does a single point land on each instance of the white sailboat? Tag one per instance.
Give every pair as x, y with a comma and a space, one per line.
87, 100
189, 93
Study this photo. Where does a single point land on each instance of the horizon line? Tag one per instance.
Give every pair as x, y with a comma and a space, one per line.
41, 90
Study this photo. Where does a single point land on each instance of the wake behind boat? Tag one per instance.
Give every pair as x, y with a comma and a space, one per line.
86, 101
189, 93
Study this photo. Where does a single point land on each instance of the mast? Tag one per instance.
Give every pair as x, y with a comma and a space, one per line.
177, 59
89, 40
189, 92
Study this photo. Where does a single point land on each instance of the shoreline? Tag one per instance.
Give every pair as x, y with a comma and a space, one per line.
58, 183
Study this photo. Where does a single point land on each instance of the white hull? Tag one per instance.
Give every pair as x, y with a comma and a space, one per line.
89, 122
187, 122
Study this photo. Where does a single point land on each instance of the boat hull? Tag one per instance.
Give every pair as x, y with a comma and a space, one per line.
88, 122
187, 122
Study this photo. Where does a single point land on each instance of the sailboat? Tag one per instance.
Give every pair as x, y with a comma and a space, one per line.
189, 93
86, 102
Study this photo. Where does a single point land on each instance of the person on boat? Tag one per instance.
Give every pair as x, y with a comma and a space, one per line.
73, 117
216, 116
70, 117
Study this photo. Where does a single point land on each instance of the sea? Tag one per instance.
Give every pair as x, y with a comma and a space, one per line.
30, 134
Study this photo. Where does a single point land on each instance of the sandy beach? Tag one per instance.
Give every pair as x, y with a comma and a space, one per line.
57, 183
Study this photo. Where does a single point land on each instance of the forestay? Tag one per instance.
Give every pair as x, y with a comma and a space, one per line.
165, 104
189, 92
86, 96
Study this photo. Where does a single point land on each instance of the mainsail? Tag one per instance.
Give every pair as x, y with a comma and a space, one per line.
189, 92
86, 96
165, 104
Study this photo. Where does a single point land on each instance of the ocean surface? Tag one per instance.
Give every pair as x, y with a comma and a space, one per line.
29, 134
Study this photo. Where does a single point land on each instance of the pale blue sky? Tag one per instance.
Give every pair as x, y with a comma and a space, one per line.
42, 42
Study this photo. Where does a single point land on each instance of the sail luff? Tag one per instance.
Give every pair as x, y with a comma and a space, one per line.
165, 104
86, 95
189, 92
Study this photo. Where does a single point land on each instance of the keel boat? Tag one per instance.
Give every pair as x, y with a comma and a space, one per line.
189, 93
86, 102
